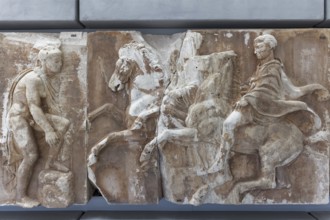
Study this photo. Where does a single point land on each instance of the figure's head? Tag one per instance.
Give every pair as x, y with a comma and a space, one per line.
123, 71
51, 59
264, 46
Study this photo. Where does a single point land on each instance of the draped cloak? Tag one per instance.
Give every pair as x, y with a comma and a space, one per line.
272, 94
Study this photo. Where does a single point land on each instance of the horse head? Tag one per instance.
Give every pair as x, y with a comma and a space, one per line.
123, 71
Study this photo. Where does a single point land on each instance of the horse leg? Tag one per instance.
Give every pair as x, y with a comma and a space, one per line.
169, 135
265, 181
106, 108
110, 138
145, 155
185, 136
282, 178
272, 154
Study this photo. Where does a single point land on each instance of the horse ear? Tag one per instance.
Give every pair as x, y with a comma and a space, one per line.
128, 60
124, 58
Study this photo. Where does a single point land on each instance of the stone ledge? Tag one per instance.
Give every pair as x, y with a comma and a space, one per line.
197, 215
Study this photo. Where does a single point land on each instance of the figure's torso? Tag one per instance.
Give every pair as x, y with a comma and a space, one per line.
20, 104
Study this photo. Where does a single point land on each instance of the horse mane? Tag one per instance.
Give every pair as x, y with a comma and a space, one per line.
221, 84
233, 93
145, 57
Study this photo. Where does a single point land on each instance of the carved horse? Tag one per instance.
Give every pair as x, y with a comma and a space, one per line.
139, 71
278, 145
211, 105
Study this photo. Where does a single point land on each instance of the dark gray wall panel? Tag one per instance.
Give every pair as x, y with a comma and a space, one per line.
34, 14
197, 13
196, 216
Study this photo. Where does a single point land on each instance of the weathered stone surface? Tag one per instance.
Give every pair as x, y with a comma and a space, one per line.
55, 188
242, 116
43, 106
206, 116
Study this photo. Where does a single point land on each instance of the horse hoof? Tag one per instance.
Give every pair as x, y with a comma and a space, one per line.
199, 196
92, 159
27, 202
145, 155
201, 172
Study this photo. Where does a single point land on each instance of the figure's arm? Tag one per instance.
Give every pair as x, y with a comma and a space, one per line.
34, 102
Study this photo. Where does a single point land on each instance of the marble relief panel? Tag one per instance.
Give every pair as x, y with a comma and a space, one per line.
237, 116
43, 106
203, 116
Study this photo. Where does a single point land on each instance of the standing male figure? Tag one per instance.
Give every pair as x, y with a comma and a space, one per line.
32, 103
271, 96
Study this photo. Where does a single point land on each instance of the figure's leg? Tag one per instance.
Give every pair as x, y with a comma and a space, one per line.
234, 120
24, 140
61, 126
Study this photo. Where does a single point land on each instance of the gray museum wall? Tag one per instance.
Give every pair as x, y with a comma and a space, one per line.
92, 14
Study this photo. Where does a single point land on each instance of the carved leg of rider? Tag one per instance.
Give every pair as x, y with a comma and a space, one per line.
24, 140
233, 121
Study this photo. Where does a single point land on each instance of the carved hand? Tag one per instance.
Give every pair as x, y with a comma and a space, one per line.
138, 124
52, 138
241, 103
92, 159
